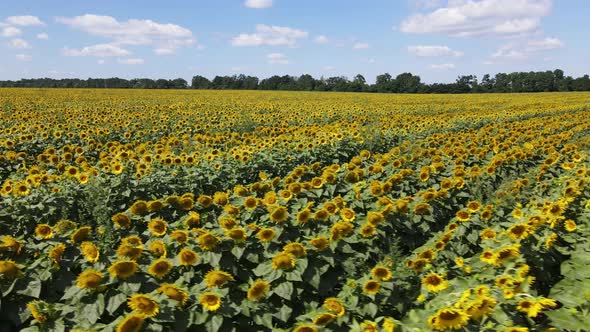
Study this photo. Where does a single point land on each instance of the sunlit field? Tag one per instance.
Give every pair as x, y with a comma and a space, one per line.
123, 210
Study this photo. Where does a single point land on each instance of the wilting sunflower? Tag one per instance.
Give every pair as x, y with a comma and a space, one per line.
143, 305
210, 301
174, 292
131, 323
158, 227
89, 279
371, 287
295, 248
324, 319
381, 273
9, 270
434, 282
160, 267
38, 310
193, 219
81, 234
335, 306
258, 290
283, 261
320, 243
266, 234
56, 252
207, 241
43, 231
187, 257
123, 269
216, 278
63, 226
448, 318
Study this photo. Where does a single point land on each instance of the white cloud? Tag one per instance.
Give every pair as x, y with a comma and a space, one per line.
161, 36
131, 61
442, 66
277, 58
328, 68
24, 57
270, 35
101, 61
463, 18
19, 43
258, 4
321, 39
522, 51
360, 46
10, 32
99, 50
42, 35
433, 51
24, 21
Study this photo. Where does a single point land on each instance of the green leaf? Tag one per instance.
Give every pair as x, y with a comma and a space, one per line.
33, 289
115, 302
284, 290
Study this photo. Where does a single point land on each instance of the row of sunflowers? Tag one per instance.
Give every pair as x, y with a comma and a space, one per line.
360, 213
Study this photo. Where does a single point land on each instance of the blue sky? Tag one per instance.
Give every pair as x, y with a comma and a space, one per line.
435, 39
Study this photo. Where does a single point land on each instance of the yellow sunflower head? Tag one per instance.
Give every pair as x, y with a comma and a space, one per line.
335, 306
258, 290
143, 305
174, 292
89, 279
187, 257
217, 278
131, 323
283, 261
381, 273
160, 268
123, 269
210, 301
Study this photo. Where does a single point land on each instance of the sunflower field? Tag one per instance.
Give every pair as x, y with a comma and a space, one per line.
293, 211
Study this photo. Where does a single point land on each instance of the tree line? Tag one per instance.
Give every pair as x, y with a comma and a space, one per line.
542, 81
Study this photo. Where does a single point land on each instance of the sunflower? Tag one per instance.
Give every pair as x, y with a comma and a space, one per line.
89, 279
56, 252
143, 305
207, 241
205, 201
250, 203
570, 225
139, 208
283, 261
266, 234
295, 248
334, 306
488, 256
187, 257
305, 328
388, 324
375, 218
303, 216
43, 231
381, 273
279, 214
321, 215
347, 214
210, 301
368, 326
186, 203
434, 282
473, 206
89, 251
422, 209
258, 290
519, 231
530, 307
81, 234
371, 287
157, 227
9, 270
368, 230
174, 293
320, 243
63, 226
508, 253
341, 230
463, 215
131, 323
237, 234
38, 310
448, 318
131, 250
517, 329
158, 248
160, 267
216, 278
123, 269
121, 220
482, 306
193, 219
9, 243
155, 205
324, 319
179, 236
487, 234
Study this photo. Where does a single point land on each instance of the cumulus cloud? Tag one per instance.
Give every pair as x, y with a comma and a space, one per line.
131, 61
270, 35
161, 36
442, 66
10, 31
24, 21
19, 43
433, 51
258, 4
42, 35
360, 46
321, 39
24, 57
462, 18
519, 52
277, 58
99, 50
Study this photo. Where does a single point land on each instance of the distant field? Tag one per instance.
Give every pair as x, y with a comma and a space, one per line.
251, 210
